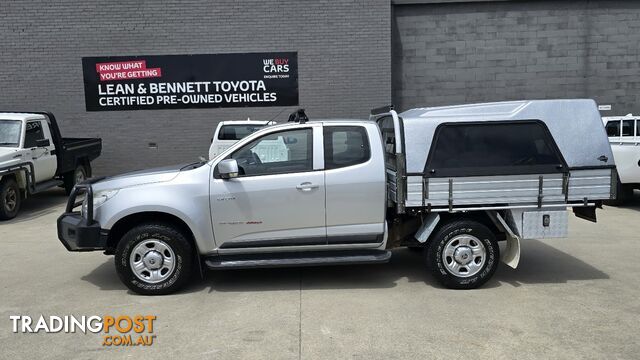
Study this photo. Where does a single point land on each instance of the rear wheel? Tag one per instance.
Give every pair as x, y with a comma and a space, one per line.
78, 175
154, 259
463, 254
10, 199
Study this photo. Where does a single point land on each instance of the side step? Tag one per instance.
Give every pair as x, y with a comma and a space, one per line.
46, 185
294, 259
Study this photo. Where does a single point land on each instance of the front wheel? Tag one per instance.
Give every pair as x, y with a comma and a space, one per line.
463, 254
154, 259
10, 198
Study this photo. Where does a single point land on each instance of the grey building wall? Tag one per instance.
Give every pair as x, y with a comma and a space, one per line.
476, 52
343, 52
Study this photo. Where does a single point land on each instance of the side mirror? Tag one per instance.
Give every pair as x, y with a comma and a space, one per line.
228, 168
43, 143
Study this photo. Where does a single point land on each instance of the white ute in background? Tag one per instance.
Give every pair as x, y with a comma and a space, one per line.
624, 137
229, 132
34, 157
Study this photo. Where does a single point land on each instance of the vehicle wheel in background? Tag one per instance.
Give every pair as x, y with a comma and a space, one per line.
154, 259
10, 198
463, 254
624, 194
72, 178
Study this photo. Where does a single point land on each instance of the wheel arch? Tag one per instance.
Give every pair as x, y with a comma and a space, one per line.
477, 216
19, 177
128, 222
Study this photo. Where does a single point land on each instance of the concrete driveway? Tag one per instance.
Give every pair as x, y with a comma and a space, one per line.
575, 298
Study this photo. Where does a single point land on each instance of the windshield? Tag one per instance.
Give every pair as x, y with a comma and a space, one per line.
237, 132
10, 133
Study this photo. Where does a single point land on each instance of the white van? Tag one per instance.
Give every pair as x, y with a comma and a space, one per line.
229, 132
624, 137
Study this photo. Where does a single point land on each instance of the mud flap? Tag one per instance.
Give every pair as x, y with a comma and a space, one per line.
511, 254
430, 222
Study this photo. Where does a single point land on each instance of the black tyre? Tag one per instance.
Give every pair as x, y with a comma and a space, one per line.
624, 194
154, 259
78, 175
463, 254
10, 199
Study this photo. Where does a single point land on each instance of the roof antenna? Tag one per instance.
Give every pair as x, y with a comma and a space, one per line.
298, 116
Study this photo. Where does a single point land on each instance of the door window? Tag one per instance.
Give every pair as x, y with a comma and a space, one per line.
33, 133
277, 153
345, 146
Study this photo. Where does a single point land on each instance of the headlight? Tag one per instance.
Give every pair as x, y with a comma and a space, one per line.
99, 198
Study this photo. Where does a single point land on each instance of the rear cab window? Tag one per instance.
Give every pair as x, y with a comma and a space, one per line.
345, 146
237, 132
493, 148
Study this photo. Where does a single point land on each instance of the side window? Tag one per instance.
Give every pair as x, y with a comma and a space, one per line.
493, 148
637, 127
33, 133
627, 127
277, 153
345, 146
613, 128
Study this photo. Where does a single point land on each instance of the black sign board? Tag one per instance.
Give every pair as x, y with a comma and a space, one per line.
190, 81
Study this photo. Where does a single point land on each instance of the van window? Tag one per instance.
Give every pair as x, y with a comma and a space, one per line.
467, 149
613, 128
345, 146
33, 133
237, 132
627, 127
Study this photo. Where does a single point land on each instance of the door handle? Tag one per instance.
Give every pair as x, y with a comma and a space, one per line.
307, 186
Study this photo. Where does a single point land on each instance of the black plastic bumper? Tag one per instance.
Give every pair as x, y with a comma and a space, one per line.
78, 233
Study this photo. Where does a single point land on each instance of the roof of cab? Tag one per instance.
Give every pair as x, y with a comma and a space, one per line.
244, 122
20, 116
